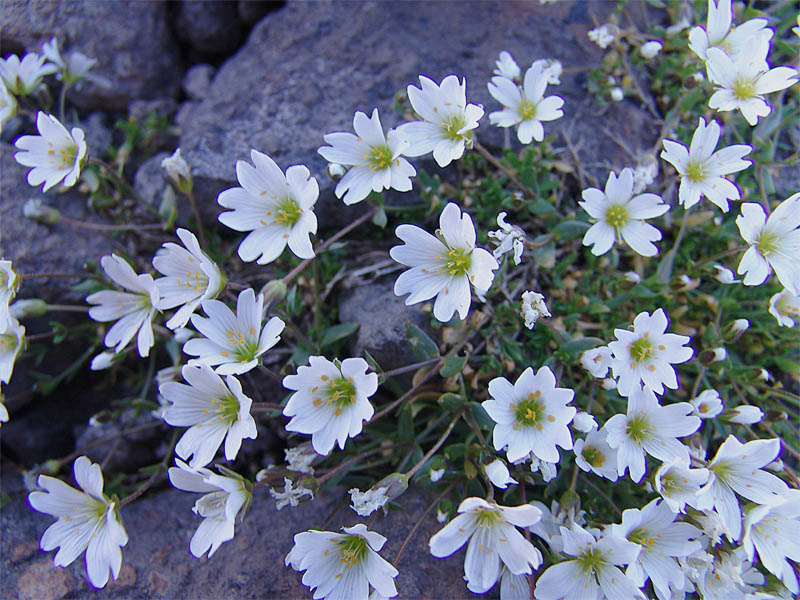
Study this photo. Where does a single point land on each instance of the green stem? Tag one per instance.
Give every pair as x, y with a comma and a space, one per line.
436, 446
152, 479
506, 171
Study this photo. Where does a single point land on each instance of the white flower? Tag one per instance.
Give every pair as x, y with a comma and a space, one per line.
190, 277
741, 84
785, 307
774, 531
745, 415
8, 105
719, 35
737, 468
724, 275
549, 526
662, 540
593, 574
376, 160
290, 495
531, 415
87, 520
525, 107
649, 428
226, 499
533, 308
23, 77
602, 36
277, 209
9, 284
650, 49
343, 565
493, 539
644, 174
102, 361
509, 238
619, 215
646, 354
300, 458
583, 422
443, 265
707, 405
548, 469
678, 484
596, 456
514, 587
617, 94
507, 66
498, 474
234, 342
552, 70
774, 243
447, 119
134, 309
366, 503
330, 400
76, 66
597, 361
178, 171
213, 411
702, 170
56, 155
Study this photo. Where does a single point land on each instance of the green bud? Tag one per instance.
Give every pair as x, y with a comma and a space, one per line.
30, 307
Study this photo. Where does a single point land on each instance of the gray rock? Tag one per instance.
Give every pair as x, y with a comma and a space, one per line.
37, 248
382, 319
156, 562
164, 107
304, 72
150, 179
197, 81
131, 41
209, 27
252, 11
98, 134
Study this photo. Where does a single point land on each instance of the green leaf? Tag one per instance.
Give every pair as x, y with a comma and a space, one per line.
372, 362
540, 207
451, 402
452, 366
338, 332
405, 427
570, 230
470, 470
422, 345
453, 451
575, 347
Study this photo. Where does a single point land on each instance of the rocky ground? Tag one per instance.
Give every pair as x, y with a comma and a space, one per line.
236, 76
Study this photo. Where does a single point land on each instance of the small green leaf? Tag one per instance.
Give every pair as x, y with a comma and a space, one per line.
575, 347
452, 366
405, 427
338, 332
453, 451
470, 470
423, 346
372, 362
540, 207
570, 230
451, 402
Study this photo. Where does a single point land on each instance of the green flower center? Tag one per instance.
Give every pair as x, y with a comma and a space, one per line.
67, 155
593, 456
617, 216
639, 429
695, 171
353, 549
227, 408
642, 537
485, 517
458, 262
288, 212
379, 158
672, 483
591, 560
527, 109
529, 412
723, 470
642, 349
341, 392
8, 342
244, 348
744, 89
452, 125
767, 242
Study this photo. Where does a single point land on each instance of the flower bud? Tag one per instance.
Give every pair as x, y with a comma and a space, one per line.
30, 307
273, 292
650, 49
498, 474
36, 210
708, 357
584, 422
436, 470
102, 361
629, 280
735, 330
178, 172
617, 95
609, 383
336, 171
744, 415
